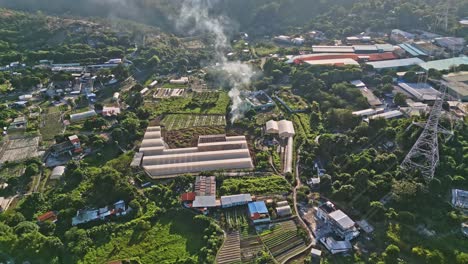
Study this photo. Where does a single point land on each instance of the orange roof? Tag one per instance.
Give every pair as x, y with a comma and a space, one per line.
49, 216
190, 196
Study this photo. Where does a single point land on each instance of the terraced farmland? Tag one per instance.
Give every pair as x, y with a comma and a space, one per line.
283, 240
181, 121
230, 252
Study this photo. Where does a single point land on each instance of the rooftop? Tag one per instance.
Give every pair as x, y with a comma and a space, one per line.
460, 198
258, 207
395, 63
234, 199
445, 64
204, 201
342, 219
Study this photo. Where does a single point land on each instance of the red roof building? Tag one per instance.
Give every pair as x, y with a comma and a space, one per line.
49, 216
188, 197
356, 57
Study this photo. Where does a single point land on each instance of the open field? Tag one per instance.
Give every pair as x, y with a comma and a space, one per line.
175, 236
181, 121
51, 125
283, 240
174, 85
19, 149
213, 103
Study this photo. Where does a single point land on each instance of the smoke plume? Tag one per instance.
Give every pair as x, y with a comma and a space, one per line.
195, 17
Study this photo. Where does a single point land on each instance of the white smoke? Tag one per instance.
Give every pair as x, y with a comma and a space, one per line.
195, 17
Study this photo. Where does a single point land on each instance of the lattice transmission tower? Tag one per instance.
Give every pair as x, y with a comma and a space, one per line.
424, 155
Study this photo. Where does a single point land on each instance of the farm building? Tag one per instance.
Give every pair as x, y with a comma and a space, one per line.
334, 246
110, 111
18, 123
272, 127
182, 80
205, 185
84, 216
258, 212
50, 216
457, 85
388, 115
235, 200
368, 112
283, 128
82, 116
214, 152
460, 199
283, 211
395, 64
204, 201
57, 172
281, 203
420, 91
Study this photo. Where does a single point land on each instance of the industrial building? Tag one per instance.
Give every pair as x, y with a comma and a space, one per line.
457, 85
451, 43
444, 65
413, 50
214, 152
395, 64
420, 91
335, 56
368, 112
400, 36
361, 49
333, 62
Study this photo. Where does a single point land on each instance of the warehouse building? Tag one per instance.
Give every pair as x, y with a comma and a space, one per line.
368, 112
420, 91
457, 85
387, 115
214, 152
444, 65
395, 64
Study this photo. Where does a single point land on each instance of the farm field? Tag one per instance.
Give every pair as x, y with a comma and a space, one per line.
230, 252
250, 244
175, 236
283, 240
181, 121
255, 185
188, 137
209, 103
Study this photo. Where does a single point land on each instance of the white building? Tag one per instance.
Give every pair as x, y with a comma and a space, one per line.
57, 172
214, 152
82, 116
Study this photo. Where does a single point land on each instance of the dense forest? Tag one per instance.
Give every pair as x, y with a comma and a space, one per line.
264, 16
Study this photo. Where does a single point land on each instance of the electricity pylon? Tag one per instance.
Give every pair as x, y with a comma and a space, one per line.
424, 155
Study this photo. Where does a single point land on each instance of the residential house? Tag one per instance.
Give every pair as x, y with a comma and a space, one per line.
50, 216
341, 224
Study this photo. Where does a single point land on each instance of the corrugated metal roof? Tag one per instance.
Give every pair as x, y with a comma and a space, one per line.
445, 64
395, 63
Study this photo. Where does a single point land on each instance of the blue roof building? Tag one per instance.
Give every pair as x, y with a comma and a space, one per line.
258, 212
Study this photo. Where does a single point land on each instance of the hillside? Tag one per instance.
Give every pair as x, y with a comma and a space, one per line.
262, 16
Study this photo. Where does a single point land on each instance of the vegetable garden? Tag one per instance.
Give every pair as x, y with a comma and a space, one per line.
283, 240
181, 121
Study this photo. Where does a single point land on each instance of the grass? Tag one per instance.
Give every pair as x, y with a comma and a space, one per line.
265, 49
52, 126
107, 153
175, 236
11, 171
173, 85
212, 103
255, 185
